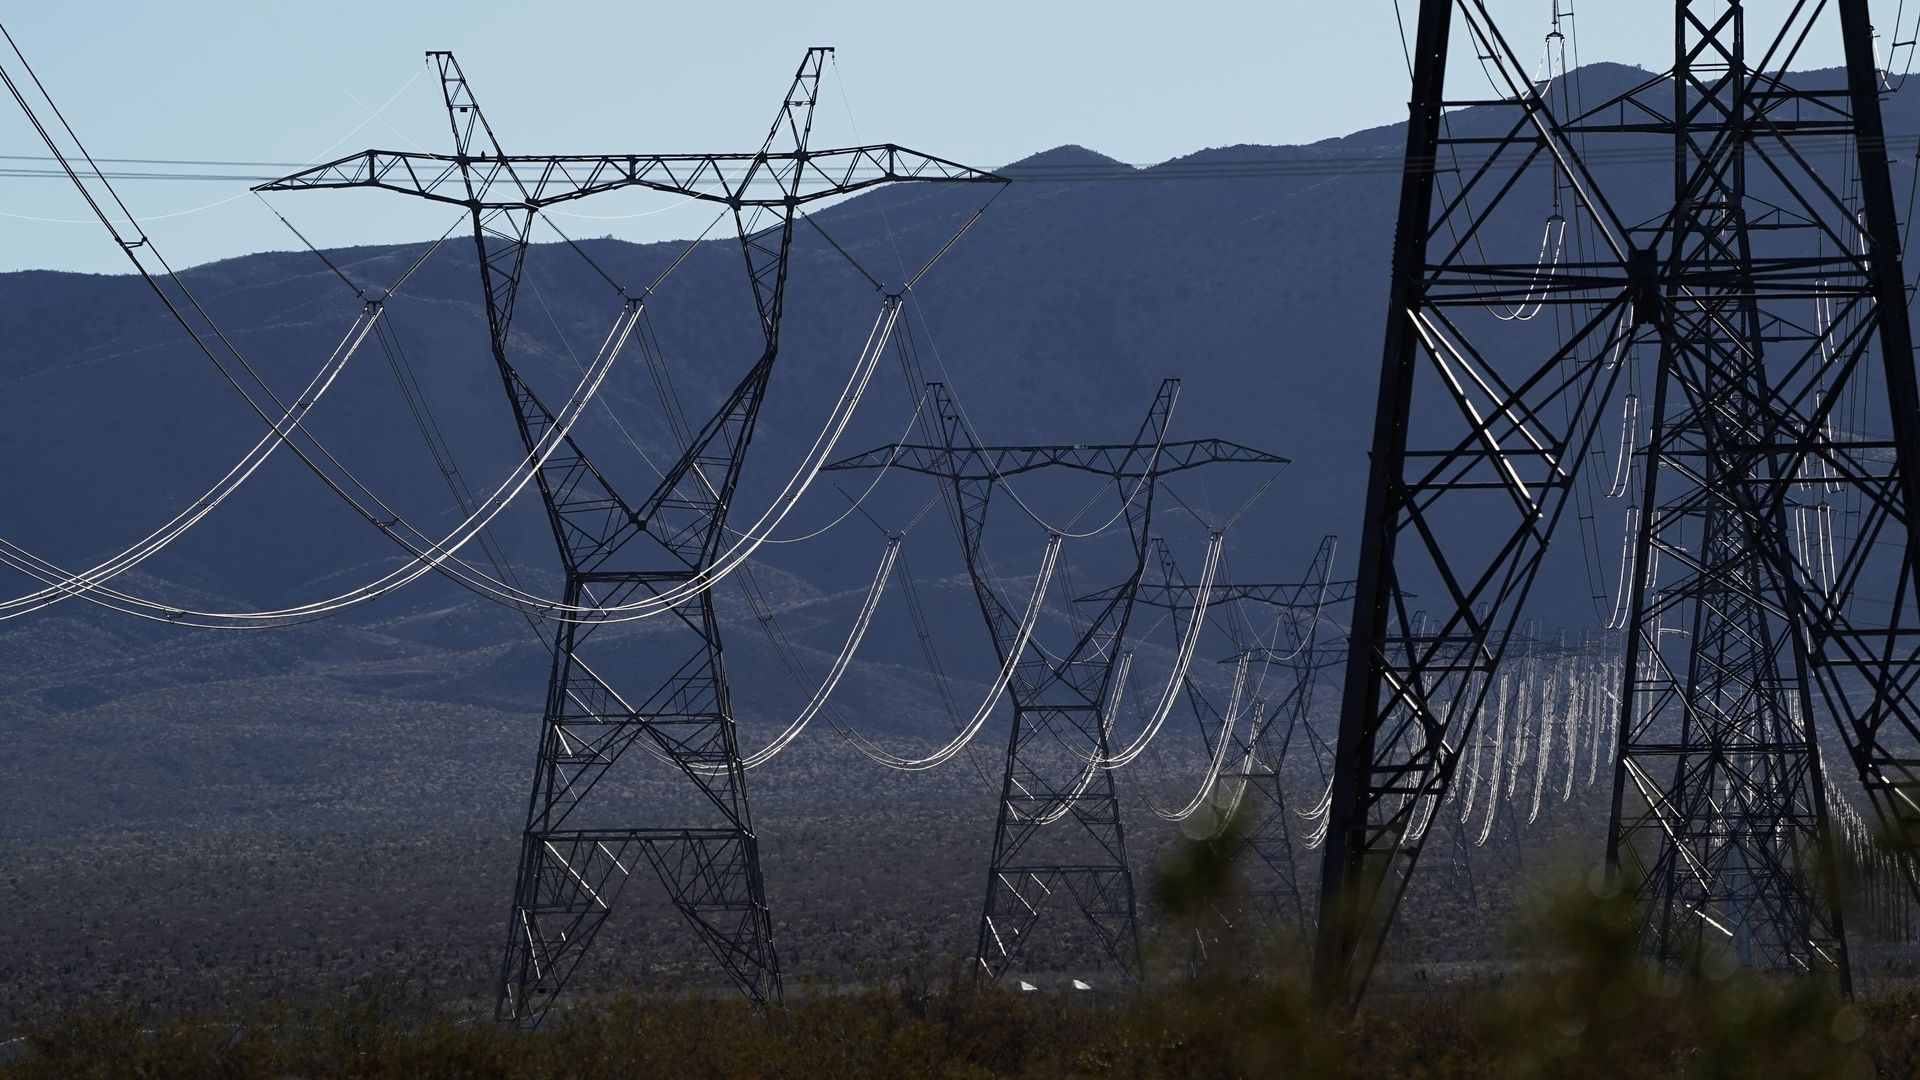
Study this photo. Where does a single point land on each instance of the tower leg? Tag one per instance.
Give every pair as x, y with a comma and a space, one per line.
1076, 867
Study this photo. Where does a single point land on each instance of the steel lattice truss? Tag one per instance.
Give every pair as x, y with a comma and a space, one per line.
1719, 802
1482, 428
573, 863
774, 179
1060, 728
1258, 752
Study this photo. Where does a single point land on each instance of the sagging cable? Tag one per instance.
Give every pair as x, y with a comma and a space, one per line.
818, 701
1183, 660
1629, 437
62, 584
1049, 559
434, 554
1623, 592
1221, 745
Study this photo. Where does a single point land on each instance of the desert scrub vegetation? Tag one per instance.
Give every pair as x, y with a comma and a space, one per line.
1214, 1027
1547, 986
1589, 1007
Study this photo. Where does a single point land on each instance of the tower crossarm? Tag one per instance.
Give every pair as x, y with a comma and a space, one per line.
535, 181
1319, 657
676, 702
1118, 460
1179, 597
764, 190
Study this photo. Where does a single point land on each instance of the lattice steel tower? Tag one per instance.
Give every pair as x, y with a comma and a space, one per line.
1719, 805
580, 844
1770, 291
1061, 699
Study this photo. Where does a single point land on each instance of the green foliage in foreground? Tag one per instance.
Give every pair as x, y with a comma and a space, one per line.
1577, 1020
1588, 1007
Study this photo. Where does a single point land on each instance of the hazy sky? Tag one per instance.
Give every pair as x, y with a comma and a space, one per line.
981, 81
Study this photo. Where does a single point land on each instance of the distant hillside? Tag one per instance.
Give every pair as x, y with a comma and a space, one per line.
1256, 274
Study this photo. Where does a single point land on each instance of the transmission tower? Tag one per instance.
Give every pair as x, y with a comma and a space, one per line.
580, 845
1719, 808
1258, 754
1482, 428
1060, 699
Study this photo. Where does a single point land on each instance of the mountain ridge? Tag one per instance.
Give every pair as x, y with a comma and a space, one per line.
1054, 317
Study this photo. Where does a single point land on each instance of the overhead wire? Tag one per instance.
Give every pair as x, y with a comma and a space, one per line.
1495, 770
763, 611
1183, 659
132, 249
427, 553
783, 504
62, 584
442, 555
819, 692
1317, 164
170, 214
918, 390
428, 556
424, 560
1016, 650
931, 657
1139, 485
1211, 777
1523, 710
1258, 717
824, 690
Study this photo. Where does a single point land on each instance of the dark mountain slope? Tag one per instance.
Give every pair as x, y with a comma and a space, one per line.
1255, 274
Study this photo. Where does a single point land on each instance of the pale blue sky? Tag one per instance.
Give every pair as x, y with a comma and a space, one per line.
981, 81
